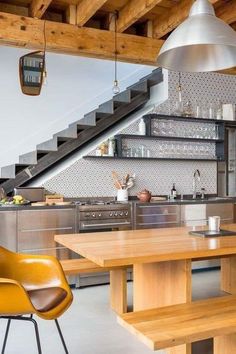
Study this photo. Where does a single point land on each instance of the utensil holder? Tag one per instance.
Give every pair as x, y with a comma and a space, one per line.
122, 195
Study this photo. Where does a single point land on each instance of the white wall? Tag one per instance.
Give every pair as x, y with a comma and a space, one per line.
76, 86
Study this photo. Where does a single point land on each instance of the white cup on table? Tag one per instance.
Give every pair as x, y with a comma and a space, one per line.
214, 223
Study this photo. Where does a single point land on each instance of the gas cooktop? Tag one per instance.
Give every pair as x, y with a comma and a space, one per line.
98, 202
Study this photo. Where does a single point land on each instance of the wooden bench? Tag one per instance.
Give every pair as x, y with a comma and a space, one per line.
184, 323
118, 290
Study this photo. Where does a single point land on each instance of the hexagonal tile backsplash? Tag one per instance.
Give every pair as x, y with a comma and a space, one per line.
92, 178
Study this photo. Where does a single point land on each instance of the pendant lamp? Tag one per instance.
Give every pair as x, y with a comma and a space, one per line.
201, 43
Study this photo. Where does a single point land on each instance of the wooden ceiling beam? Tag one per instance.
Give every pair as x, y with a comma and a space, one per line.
231, 71
133, 11
173, 18
86, 9
38, 7
27, 32
14, 9
227, 12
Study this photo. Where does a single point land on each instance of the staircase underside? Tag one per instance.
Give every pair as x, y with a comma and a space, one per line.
78, 134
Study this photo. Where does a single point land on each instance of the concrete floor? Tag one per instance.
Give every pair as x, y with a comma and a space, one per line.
90, 327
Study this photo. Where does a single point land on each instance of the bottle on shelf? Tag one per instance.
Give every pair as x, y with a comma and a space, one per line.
142, 127
173, 192
111, 147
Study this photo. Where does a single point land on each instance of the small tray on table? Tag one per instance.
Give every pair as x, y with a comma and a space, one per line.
208, 233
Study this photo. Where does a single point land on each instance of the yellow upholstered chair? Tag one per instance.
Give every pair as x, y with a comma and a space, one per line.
32, 284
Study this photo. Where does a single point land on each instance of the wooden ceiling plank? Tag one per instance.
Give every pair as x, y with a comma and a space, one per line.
227, 12
38, 7
71, 14
133, 11
64, 38
173, 18
86, 9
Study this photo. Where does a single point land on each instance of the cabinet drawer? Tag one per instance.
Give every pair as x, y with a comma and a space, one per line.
157, 209
31, 240
8, 230
224, 210
156, 226
157, 219
29, 220
59, 253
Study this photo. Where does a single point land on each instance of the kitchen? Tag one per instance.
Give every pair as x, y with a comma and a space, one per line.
85, 176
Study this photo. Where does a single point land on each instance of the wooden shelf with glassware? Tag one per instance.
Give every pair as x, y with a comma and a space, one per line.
172, 138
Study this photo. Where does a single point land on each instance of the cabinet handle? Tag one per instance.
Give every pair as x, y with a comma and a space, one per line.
49, 229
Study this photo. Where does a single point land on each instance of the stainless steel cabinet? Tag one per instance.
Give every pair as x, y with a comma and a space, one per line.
197, 215
8, 231
152, 215
37, 228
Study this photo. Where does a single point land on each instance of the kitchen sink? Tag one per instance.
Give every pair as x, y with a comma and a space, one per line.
219, 198
206, 199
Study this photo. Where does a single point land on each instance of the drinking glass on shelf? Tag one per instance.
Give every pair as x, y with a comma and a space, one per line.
163, 127
197, 110
211, 111
205, 110
170, 128
143, 149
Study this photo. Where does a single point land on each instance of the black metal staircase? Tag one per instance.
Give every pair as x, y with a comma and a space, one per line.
79, 133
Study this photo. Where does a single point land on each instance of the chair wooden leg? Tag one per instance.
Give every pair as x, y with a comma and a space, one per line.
6, 336
61, 336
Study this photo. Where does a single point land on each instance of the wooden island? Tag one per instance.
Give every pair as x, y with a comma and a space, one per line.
161, 260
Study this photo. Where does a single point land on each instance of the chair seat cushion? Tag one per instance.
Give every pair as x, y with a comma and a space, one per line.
46, 299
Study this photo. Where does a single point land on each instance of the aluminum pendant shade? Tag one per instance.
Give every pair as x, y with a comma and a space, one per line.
201, 43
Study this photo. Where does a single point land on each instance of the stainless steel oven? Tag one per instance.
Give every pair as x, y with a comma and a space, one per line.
104, 217
100, 216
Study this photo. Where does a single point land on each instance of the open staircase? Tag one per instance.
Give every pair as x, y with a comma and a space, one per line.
79, 133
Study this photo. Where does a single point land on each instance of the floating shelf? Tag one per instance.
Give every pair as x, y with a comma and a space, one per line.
162, 137
148, 158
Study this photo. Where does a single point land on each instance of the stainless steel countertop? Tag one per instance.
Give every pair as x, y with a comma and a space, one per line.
210, 200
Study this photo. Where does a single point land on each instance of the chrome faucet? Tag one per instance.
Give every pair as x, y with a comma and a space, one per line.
196, 177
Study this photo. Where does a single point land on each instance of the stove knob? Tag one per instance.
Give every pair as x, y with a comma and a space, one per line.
126, 213
99, 215
116, 214
111, 214
121, 213
87, 215
94, 215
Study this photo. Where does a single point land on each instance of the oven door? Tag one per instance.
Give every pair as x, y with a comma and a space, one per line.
100, 226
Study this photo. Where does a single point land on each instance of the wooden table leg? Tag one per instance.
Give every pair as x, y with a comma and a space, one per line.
227, 344
162, 284
118, 290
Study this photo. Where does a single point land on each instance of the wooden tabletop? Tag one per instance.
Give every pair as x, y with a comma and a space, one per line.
146, 246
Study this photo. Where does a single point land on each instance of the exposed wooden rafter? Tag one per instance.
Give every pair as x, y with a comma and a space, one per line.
38, 7
227, 11
231, 71
63, 38
133, 11
174, 17
71, 14
86, 9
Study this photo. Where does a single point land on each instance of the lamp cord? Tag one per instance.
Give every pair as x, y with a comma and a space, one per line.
116, 15
44, 36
